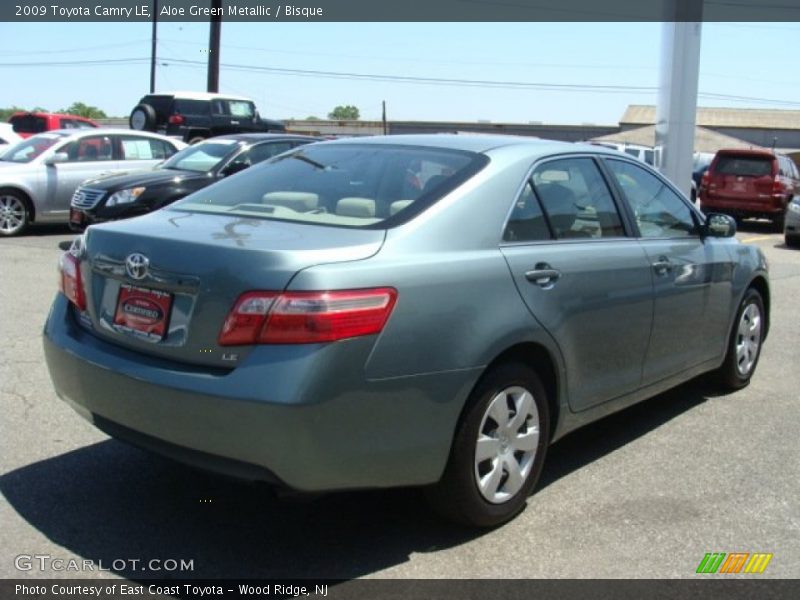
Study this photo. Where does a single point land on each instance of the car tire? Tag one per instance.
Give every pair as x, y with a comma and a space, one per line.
143, 118
15, 213
497, 456
792, 241
779, 222
744, 344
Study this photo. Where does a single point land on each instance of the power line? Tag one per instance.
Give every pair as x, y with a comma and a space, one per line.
481, 83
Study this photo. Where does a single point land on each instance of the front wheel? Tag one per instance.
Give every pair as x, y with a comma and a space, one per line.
744, 345
14, 213
499, 449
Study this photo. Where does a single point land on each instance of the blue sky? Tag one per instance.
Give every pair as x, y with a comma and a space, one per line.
756, 60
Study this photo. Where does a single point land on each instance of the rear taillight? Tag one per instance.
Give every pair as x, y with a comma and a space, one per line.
778, 187
71, 281
306, 317
176, 119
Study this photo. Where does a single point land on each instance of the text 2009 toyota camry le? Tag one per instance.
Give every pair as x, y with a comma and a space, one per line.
397, 311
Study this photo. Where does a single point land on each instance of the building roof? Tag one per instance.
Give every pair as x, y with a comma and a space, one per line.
705, 140
751, 118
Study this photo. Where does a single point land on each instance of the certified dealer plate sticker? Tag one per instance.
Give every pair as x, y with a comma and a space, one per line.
143, 312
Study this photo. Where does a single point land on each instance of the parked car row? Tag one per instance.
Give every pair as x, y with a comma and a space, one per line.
428, 310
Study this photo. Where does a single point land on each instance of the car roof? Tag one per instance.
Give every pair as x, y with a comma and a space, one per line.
105, 130
462, 141
763, 152
39, 113
201, 96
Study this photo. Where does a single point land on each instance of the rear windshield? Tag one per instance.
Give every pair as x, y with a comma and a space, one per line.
747, 166
201, 157
348, 185
28, 124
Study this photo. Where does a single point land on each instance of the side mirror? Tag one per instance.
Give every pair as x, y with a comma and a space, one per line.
58, 157
721, 226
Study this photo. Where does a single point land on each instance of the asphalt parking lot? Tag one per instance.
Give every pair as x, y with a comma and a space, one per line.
644, 493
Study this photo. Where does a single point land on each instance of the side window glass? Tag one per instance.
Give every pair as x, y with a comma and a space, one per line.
576, 199
526, 223
90, 149
659, 211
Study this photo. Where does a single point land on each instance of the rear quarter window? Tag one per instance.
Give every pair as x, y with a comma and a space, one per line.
191, 107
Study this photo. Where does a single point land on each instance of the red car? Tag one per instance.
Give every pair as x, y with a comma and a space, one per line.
26, 124
749, 183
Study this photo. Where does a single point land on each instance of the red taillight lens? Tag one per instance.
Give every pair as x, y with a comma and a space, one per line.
176, 119
246, 319
71, 282
778, 187
306, 317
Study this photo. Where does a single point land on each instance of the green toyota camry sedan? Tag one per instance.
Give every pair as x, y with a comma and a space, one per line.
402, 311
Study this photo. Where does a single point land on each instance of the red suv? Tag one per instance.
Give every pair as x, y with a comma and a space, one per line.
749, 183
26, 124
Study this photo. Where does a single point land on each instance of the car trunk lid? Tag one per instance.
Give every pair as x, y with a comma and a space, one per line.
164, 283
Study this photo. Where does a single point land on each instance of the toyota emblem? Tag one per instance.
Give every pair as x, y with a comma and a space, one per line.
136, 265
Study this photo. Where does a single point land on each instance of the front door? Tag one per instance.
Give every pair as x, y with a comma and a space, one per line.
691, 276
89, 157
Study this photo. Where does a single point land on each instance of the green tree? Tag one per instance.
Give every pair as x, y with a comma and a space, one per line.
5, 113
344, 113
84, 110
312, 118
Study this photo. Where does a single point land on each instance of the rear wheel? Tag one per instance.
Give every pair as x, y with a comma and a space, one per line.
744, 345
14, 213
779, 222
793, 241
499, 449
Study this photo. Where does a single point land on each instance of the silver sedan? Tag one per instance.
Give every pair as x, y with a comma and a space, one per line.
39, 175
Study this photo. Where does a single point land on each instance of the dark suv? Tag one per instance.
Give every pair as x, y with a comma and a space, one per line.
750, 183
195, 116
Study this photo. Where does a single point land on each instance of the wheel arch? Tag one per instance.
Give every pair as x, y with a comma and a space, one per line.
759, 283
541, 360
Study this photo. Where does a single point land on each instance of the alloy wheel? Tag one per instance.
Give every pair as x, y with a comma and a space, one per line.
12, 214
748, 339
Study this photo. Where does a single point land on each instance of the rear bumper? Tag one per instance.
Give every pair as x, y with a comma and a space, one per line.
288, 422
766, 207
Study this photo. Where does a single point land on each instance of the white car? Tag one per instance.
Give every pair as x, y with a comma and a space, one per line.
7, 136
39, 175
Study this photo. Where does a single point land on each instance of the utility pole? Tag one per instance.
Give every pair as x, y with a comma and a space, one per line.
153, 49
383, 118
213, 46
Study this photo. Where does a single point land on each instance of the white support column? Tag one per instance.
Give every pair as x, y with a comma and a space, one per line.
677, 99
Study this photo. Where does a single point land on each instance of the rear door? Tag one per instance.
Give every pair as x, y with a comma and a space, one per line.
583, 278
691, 276
139, 152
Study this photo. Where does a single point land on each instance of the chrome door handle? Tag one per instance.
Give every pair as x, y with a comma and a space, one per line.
543, 275
662, 266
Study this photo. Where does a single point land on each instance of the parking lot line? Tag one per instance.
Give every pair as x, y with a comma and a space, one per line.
758, 238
